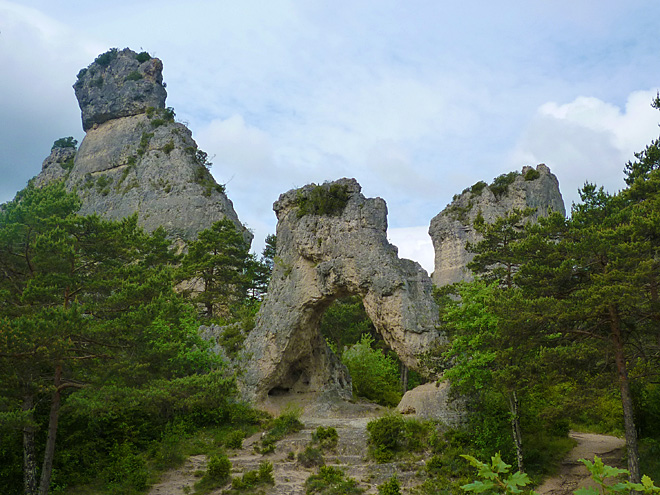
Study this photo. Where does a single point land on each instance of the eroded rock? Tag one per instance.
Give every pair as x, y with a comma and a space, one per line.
452, 228
119, 84
135, 157
321, 257
433, 401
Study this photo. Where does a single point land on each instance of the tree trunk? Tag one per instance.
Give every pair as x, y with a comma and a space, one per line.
404, 378
626, 397
47, 469
515, 429
29, 456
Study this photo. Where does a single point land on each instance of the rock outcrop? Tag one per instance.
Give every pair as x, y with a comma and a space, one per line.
332, 242
119, 84
452, 228
135, 157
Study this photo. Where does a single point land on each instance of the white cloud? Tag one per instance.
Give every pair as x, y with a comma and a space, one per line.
237, 146
588, 140
414, 243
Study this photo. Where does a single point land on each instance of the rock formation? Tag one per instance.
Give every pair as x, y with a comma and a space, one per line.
452, 228
119, 84
135, 157
332, 242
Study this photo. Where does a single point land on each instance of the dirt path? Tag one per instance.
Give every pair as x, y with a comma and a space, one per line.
351, 420
573, 474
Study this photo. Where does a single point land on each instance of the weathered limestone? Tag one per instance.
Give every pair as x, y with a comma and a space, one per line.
433, 401
452, 228
119, 84
135, 157
321, 257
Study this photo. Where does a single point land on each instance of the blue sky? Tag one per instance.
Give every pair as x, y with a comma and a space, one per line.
416, 99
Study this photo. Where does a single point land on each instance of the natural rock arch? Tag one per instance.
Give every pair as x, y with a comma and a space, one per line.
322, 255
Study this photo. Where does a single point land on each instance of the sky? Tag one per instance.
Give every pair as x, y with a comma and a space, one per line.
417, 100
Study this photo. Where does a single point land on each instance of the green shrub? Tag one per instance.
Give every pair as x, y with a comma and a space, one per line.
326, 437
477, 188
134, 76
142, 57
532, 174
234, 439
218, 468
65, 142
102, 184
386, 432
106, 58
390, 487
97, 83
67, 165
501, 183
250, 479
144, 142
287, 422
392, 434
311, 457
331, 481
167, 149
326, 199
126, 469
81, 74
375, 375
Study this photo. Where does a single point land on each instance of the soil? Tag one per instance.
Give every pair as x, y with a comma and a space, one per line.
350, 420
573, 474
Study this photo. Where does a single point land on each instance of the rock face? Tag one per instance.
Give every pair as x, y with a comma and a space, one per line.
322, 256
433, 401
450, 230
135, 157
119, 84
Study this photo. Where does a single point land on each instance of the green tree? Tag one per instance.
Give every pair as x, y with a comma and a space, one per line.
497, 255
85, 302
215, 268
375, 375
596, 274
258, 271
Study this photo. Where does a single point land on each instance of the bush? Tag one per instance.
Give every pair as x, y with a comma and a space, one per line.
167, 149
287, 422
234, 439
218, 468
392, 434
65, 142
326, 437
390, 487
134, 76
331, 481
126, 469
106, 58
250, 479
476, 189
375, 375
327, 199
532, 174
501, 183
311, 457
142, 57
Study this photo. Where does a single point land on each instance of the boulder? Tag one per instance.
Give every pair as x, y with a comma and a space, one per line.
433, 401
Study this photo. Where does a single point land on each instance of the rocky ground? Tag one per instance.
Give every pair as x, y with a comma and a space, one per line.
573, 474
350, 455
